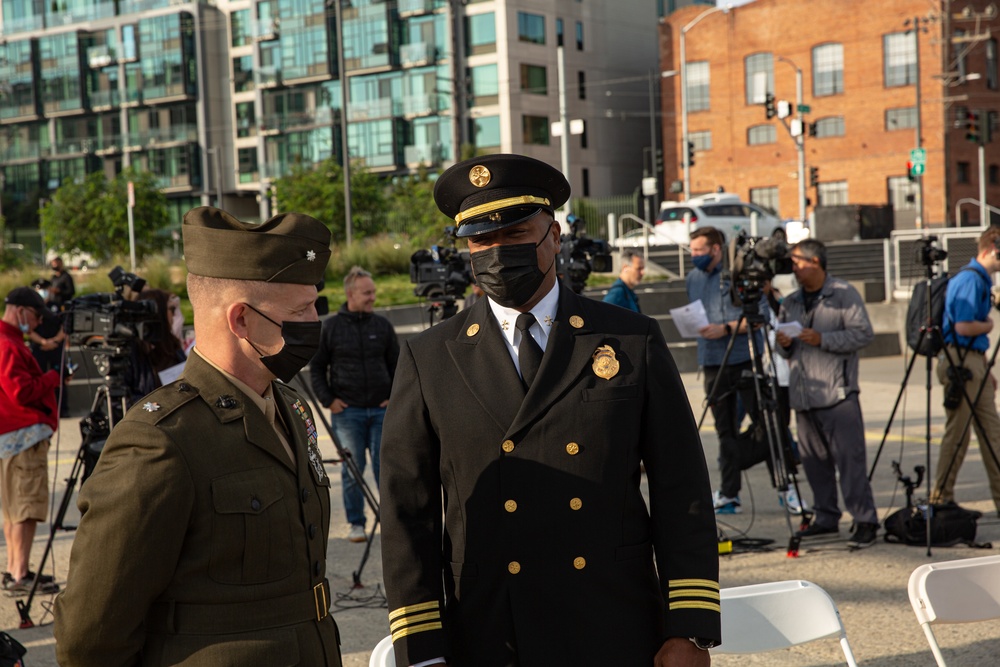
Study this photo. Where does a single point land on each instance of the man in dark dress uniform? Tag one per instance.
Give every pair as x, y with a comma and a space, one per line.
204, 530
514, 530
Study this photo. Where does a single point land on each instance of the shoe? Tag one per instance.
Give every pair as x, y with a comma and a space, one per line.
814, 529
725, 504
23, 586
357, 534
8, 578
863, 536
790, 499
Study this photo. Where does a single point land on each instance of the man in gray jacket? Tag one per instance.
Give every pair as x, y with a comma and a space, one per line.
823, 390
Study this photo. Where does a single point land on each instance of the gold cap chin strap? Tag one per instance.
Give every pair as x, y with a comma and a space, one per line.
499, 204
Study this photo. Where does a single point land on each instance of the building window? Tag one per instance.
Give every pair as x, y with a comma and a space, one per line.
962, 172
586, 182
830, 127
902, 193
246, 124
485, 132
761, 134
531, 28
247, 159
534, 79
766, 198
485, 85
579, 36
581, 84
760, 77
828, 69
900, 59
243, 74
902, 118
481, 34
583, 136
994, 174
559, 32
535, 129
240, 22
992, 81
832, 194
697, 86
702, 140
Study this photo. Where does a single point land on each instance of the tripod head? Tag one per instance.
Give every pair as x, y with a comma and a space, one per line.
905, 480
930, 255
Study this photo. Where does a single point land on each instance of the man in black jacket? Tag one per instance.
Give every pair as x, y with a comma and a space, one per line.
352, 374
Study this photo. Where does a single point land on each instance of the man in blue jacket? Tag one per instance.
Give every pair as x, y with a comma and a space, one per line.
622, 291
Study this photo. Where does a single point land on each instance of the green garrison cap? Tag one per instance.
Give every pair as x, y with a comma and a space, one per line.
288, 248
491, 192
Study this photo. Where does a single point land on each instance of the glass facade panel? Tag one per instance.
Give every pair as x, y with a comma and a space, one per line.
481, 34
485, 133
17, 70
698, 86
759, 77
246, 123
828, 69
535, 129
241, 28
368, 40
485, 85
899, 53
534, 79
374, 143
168, 64
243, 74
60, 72
530, 28
247, 165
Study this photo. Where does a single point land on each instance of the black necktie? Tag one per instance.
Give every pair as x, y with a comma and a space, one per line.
529, 355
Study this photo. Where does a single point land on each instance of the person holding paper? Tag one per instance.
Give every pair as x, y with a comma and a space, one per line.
823, 390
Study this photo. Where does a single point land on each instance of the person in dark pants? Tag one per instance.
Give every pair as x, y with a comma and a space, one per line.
622, 291
352, 375
63, 289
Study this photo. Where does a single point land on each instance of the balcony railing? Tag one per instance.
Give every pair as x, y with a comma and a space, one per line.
415, 6
168, 90
370, 109
28, 150
430, 154
282, 122
25, 24
270, 77
18, 111
104, 98
100, 56
75, 146
164, 135
420, 105
417, 53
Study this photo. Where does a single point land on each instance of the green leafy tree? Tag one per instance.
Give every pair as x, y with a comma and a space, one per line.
412, 199
91, 215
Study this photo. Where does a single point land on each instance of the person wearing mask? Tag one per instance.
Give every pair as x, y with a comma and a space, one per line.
622, 291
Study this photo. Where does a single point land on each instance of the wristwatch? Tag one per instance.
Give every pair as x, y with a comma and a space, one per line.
704, 644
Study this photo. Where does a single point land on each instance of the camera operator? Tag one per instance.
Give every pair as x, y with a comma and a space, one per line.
706, 283
966, 323
823, 390
622, 291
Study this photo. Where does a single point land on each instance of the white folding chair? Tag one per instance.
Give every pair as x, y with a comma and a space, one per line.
383, 656
957, 591
767, 617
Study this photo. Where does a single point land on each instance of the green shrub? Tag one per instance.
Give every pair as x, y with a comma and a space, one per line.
381, 255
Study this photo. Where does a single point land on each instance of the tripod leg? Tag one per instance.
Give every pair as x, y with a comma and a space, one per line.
895, 406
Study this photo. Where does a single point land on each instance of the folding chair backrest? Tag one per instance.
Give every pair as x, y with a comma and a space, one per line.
766, 617
383, 656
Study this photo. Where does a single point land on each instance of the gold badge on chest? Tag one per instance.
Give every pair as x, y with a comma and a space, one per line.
605, 364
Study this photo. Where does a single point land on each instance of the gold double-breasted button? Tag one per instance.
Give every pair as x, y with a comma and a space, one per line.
575, 503
507, 446
572, 449
579, 562
513, 567
510, 506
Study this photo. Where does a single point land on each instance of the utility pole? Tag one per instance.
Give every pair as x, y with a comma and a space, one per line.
564, 139
345, 155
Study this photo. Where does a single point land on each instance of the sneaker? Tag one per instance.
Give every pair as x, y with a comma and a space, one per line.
814, 529
357, 534
863, 536
23, 586
725, 504
790, 499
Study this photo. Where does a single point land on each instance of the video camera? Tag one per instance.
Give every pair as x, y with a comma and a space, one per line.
110, 316
441, 271
753, 261
579, 255
928, 252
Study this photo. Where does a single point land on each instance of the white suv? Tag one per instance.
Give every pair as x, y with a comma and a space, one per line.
723, 210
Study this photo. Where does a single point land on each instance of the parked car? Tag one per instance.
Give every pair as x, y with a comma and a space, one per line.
724, 211
74, 260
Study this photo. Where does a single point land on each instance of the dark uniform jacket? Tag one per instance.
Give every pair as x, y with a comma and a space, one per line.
546, 543
200, 543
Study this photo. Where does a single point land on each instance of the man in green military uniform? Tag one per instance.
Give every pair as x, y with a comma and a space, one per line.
514, 532
204, 528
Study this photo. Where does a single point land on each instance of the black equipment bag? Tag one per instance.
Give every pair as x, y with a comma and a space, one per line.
950, 525
916, 316
11, 651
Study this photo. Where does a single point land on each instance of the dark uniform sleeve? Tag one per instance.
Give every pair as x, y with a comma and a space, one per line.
684, 530
320, 365
411, 515
135, 510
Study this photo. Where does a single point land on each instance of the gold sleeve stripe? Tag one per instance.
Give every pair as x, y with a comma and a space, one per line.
691, 604
499, 204
693, 593
423, 606
403, 622
703, 583
399, 634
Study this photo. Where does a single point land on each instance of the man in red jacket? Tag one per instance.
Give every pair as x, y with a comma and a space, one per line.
28, 417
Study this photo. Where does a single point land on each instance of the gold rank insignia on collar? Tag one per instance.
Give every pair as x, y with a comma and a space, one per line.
576, 322
505, 325
548, 320
605, 364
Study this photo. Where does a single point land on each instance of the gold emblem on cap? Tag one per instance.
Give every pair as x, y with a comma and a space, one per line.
576, 322
480, 176
605, 365
472, 330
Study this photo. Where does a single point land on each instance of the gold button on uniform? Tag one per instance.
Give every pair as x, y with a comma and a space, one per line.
513, 567
576, 322
575, 504
579, 562
472, 330
510, 505
572, 449
507, 446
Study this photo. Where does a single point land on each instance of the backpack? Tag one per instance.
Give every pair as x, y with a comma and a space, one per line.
950, 525
11, 651
916, 316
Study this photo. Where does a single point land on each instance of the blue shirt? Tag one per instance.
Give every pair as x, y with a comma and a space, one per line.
622, 295
967, 300
714, 295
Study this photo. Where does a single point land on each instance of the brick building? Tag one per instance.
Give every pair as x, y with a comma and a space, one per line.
860, 63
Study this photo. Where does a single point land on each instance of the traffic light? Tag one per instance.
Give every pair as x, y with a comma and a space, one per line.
909, 172
769, 106
658, 162
812, 129
813, 176
690, 148
973, 132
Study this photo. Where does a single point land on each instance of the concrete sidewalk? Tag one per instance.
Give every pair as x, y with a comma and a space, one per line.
869, 586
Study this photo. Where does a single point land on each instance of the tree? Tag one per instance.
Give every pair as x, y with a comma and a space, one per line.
413, 197
91, 215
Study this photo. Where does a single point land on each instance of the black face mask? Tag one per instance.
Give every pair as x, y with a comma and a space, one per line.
301, 342
509, 274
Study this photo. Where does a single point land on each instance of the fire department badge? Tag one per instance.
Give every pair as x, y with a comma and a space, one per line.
605, 365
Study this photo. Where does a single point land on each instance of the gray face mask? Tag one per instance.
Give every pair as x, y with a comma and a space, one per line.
301, 342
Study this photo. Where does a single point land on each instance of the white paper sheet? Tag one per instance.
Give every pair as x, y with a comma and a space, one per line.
690, 319
790, 329
168, 375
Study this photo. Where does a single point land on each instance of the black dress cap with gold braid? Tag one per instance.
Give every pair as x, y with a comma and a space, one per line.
288, 248
491, 192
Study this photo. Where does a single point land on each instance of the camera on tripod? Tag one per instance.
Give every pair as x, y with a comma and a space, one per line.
579, 255
110, 317
929, 253
753, 262
441, 273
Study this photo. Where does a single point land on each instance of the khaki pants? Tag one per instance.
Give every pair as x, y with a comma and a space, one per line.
955, 442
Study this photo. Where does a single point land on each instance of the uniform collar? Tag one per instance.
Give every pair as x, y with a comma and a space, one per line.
544, 312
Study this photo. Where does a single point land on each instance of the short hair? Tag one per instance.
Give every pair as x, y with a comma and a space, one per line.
352, 277
713, 235
628, 255
988, 239
205, 291
810, 248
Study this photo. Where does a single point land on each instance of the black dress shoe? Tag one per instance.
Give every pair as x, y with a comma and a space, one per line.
814, 529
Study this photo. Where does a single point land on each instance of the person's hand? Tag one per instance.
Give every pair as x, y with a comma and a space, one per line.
811, 337
783, 339
337, 406
384, 403
712, 331
48, 345
681, 652
989, 324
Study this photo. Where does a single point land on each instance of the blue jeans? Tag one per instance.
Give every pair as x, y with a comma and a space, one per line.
358, 429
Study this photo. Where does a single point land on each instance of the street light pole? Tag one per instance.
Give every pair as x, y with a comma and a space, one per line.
564, 121
800, 141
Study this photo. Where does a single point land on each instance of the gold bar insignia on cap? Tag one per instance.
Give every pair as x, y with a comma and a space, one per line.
499, 204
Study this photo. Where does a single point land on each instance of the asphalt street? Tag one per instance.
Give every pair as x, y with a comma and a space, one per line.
869, 586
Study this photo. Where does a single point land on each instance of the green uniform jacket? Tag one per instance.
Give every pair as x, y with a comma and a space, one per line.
200, 544
513, 521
